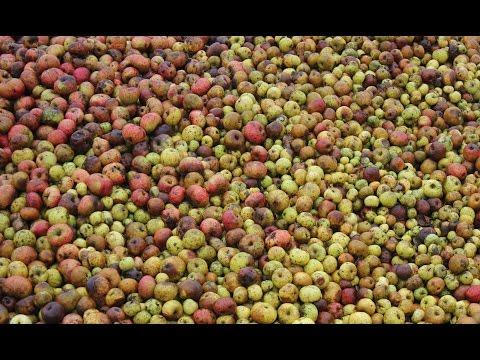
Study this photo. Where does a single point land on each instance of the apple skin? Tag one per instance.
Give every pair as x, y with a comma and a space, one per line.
317, 105
323, 145
60, 234
471, 152
280, 238
348, 296
225, 306
198, 195
88, 204
231, 221
457, 170
140, 197
436, 151
176, 194
53, 313
325, 317
398, 138
81, 74
204, 316
57, 137
473, 294
51, 196
256, 199
255, 170
201, 86
161, 236
17, 286
336, 309
99, 184
371, 173
40, 227
254, 132
146, 287
259, 153
211, 227
140, 181
7, 194
217, 184
34, 200
150, 121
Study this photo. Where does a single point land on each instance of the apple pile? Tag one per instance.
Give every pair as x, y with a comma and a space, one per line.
239, 179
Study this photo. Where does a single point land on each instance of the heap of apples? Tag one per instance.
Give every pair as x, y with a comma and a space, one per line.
239, 179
